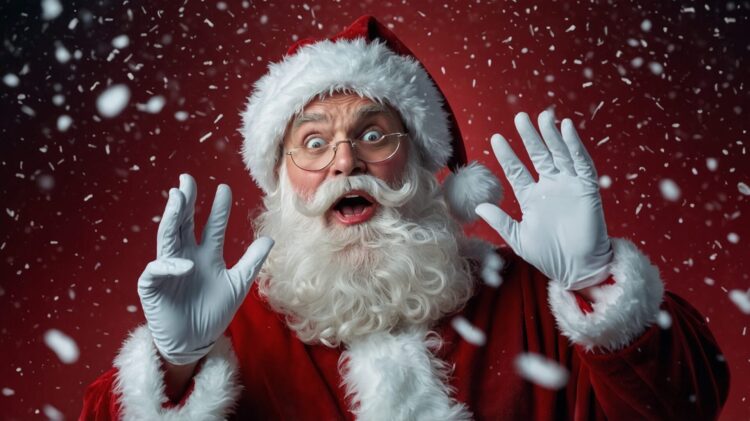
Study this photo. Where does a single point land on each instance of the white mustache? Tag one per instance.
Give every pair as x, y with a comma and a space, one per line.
330, 191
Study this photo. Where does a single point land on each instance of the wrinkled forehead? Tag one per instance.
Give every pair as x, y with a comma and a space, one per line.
351, 106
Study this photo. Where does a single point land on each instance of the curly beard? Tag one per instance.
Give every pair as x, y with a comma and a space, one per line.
336, 283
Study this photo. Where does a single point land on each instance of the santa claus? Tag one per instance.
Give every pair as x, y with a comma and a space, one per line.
362, 297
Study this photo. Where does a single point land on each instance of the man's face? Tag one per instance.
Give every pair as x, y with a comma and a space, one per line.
337, 280
335, 118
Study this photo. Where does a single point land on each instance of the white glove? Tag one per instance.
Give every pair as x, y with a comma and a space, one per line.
188, 294
562, 231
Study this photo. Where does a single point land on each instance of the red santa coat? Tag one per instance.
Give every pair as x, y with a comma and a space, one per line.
634, 368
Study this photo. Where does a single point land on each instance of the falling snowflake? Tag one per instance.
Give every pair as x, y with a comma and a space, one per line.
52, 413
61, 53
541, 371
121, 41
469, 332
63, 345
153, 106
113, 100
741, 299
670, 190
491, 265
664, 320
64, 122
11, 80
51, 9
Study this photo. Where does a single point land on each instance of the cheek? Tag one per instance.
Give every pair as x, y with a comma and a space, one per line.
392, 170
305, 183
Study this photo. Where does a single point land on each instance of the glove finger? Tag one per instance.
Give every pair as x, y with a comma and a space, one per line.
187, 224
582, 161
554, 140
242, 275
516, 172
538, 152
501, 222
167, 235
160, 270
213, 232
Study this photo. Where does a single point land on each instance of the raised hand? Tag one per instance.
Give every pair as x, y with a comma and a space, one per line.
188, 294
562, 231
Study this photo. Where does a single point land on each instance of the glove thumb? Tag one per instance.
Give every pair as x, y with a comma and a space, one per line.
501, 222
249, 265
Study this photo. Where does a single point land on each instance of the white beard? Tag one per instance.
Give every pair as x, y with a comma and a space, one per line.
337, 284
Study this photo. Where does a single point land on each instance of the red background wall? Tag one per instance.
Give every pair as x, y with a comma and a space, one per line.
71, 263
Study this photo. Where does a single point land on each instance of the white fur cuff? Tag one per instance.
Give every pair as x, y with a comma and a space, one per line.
140, 382
622, 311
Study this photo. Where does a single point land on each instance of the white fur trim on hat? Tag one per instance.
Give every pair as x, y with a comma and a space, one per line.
397, 377
370, 70
469, 186
622, 311
140, 382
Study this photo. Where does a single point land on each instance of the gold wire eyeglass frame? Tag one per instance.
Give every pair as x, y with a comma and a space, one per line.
353, 143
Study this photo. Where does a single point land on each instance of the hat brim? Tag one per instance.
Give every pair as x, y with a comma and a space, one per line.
368, 69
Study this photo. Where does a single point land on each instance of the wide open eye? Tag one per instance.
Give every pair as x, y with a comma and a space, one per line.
372, 136
315, 143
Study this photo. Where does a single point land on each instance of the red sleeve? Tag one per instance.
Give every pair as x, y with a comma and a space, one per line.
99, 400
673, 373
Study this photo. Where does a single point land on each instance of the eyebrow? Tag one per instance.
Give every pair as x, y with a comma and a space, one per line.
371, 109
366, 111
307, 118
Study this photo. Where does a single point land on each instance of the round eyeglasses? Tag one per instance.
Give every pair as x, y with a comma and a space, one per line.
318, 153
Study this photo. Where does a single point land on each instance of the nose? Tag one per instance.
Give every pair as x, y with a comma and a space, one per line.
346, 162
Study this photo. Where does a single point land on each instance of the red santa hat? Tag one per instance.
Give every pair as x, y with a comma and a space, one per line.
367, 59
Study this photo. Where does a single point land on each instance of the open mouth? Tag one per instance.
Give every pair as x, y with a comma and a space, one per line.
353, 208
